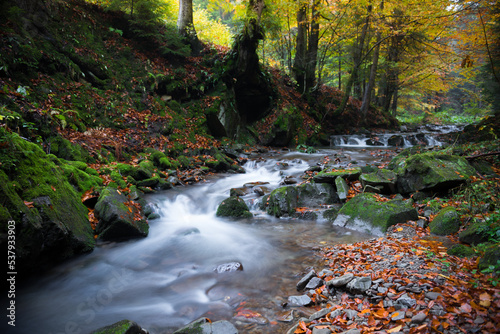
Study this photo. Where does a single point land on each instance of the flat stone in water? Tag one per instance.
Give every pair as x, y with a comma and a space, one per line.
299, 300
228, 267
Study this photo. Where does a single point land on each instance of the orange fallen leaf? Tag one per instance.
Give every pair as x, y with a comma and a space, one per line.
395, 329
29, 204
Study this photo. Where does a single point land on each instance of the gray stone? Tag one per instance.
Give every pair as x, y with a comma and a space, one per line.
340, 281
342, 188
204, 326
304, 280
321, 331
228, 267
432, 295
419, 318
398, 315
299, 300
320, 314
360, 284
314, 283
406, 301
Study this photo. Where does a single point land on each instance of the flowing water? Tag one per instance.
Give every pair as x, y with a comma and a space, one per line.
167, 280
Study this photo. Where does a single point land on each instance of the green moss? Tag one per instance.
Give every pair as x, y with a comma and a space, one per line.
78, 164
64, 149
282, 201
329, 175
461, 250
121, 327
184, 161
446, 222
125, 169
116, 177
233, 207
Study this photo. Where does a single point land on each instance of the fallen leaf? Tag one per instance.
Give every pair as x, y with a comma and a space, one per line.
29, 204
395, 329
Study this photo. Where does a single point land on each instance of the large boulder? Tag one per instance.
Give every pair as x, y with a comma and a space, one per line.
430, 171
490, 259
119, 217
475, 233
282, 201
121, 327
233, 207
366, 213
44, 205
383, 179
316, 194
446, 222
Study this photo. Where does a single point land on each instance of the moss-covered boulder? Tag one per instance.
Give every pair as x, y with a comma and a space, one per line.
366, 213
446, 222
281, 201
330, 174
431, 171
119, 218
475, 233
233, 207
121, 327
342, 188
461, 250
51, 222
219, 163
144, 171
383, 178
490, 260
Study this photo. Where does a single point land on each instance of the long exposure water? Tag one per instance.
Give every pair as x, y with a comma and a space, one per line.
167, 279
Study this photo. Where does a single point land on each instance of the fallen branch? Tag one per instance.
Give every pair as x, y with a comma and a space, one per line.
472, 157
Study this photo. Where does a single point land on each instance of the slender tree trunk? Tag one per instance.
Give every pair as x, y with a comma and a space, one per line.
373, 72
299, 64
340, 68
185, 25
312, 49
357, 63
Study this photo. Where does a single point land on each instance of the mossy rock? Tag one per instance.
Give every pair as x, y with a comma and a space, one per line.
329, 175
121, 327
117, 221
384, 178
461, 250
65, 149
490, 258
143, 171
204, 326
80, 180
342, 188
53, 225
365, 213
233, 207
219, 162
475, 234
432, 171
446, 222
125, 169
151, 182
161, 161
116, 177
281, 201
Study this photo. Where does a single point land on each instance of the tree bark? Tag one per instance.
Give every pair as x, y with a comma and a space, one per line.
299, 64
312, 48
373, 72
185, 25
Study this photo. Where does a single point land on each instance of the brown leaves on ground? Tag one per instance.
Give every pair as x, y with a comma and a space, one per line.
465, 299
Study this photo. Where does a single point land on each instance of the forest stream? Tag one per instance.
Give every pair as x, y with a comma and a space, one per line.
170, 278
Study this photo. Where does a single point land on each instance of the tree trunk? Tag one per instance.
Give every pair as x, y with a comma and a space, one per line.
299, 64
357, 63
185, 25
312, 49
373, 72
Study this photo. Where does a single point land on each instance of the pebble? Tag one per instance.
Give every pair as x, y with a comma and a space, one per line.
340, 281
432, 295
314, 283
395, 316
303, 282
299, 300
419, 318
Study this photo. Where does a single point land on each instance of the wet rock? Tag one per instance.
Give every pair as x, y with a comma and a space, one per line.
360, 284
396, 140
239, 191
312, 195
342, 188
233, 207
187, 231
340, 281
117, 221
474, 233
446, 222
285, 316
383, 178
305, 280
121, 327
320, 314
261, 190
254, 184
314, 283
430, 171
249, 316
365, 213
303, 300
282, 201
289, 180
228, 267
204, 326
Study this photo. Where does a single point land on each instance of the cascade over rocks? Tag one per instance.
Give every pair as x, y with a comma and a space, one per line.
233, 207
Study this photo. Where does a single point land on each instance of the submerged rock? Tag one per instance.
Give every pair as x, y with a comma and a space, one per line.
365, 213
228, 267
204, 326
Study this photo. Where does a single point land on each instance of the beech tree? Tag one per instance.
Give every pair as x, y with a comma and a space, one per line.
185, 25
